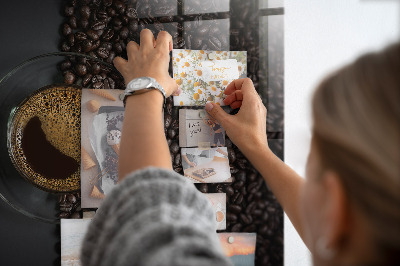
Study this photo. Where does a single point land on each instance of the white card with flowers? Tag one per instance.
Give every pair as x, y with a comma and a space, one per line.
204, 75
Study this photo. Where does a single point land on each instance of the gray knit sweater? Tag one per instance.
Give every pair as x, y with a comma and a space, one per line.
153, 217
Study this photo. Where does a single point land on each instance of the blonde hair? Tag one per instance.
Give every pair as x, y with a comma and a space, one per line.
356, 114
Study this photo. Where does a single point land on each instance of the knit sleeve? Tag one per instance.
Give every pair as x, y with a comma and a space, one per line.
153, 217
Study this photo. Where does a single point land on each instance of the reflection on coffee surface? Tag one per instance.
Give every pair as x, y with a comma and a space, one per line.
44, 138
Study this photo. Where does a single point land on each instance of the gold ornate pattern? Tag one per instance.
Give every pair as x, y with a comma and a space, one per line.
59, 110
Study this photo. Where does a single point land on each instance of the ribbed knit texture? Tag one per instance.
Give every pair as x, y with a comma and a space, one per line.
153, 217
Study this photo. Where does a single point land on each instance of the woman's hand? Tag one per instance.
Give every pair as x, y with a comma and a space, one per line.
192, 164
247, 129
150, 59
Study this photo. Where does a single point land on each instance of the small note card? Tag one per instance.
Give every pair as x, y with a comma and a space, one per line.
204, 75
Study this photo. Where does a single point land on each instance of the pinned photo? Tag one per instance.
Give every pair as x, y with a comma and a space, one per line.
102, 116
239, 247
206, 165
72, 233
204, 75
218, 201
196, 128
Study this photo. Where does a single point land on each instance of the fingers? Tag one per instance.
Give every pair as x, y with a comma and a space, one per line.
131, 49
164, 41
119, 63
235, 99
146, 40
177, 92
217, 113
245, 85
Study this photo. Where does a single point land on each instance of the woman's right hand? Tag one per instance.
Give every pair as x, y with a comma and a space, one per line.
247, 129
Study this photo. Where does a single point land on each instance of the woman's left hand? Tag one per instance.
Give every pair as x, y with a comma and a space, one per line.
150, 59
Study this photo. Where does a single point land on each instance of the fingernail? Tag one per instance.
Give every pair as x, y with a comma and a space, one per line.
209, 106
179, 90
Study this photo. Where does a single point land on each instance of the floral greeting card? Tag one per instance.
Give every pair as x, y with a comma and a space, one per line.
204, 75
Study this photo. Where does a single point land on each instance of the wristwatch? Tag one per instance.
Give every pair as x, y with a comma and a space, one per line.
141, 85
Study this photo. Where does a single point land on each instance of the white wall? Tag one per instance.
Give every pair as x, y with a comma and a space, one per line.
320, 36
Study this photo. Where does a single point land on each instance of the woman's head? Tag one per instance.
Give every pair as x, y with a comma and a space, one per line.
354, 163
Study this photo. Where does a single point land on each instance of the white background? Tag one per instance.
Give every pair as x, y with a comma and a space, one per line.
320, 36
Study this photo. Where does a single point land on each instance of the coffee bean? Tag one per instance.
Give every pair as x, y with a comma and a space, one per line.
231, 217
250, 207
87, 46
111, 82
66, 207
241, 176
108, 34
250, 228
246, 219
131, 13
167, 121
257, 213
69, 77
62, 198
203, 188
83, 23
239, 199
71, 198
236, 228
75, 215
234, 208
72, 22
229, 191
92, 34
179, 43
133, 26
66, 30
85, 12
63, 215
107, 2
80, 36
102, 15
102, 52
81, 70
69, 10
238, 184
98, 85
231, 155
66, 64
124, 33
100, 25
86, 79
95, 68
119, 6
71, 39
178, 159
233, 170
178, 169
174, 148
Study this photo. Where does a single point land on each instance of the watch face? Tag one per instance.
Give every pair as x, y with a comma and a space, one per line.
140, 83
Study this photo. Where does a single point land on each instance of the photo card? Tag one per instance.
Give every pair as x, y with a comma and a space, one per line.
72, 233
196, 128
102, 114
239, 247
218, 201
204, 75
206, 165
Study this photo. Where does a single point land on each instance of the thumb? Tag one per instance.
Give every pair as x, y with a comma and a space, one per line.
218, 113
